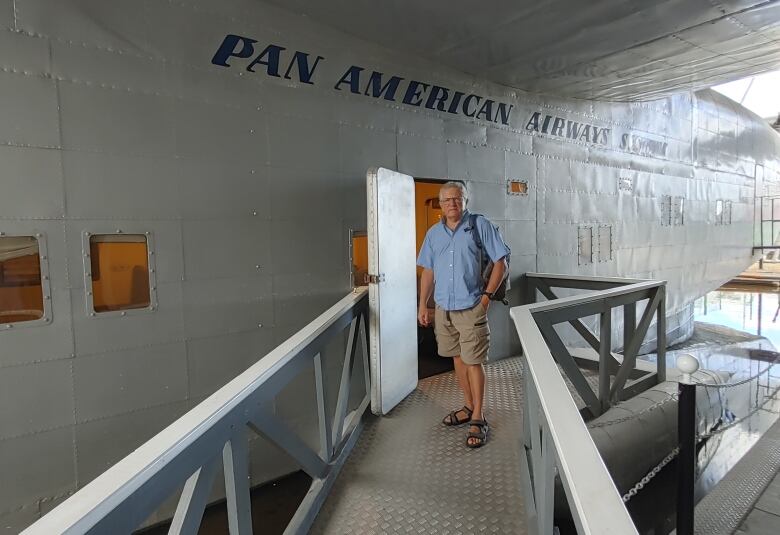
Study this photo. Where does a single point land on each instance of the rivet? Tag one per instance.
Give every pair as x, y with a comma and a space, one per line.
123, 314
48, 297
151, 271
89, 293
119, 231
38, 235
251, 130
2, 233
43, 257
257, 266
260, 325
253, 171
9, 326
45, 277
92, 314
151, 253
154, 287
147, 233
254, 212
87, 234
86, 255
89, 274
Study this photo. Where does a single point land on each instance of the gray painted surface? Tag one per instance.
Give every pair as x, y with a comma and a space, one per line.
119, 120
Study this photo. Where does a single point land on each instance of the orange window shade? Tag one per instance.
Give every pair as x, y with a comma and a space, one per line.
21, 293
120, 272
359, 259
518, 187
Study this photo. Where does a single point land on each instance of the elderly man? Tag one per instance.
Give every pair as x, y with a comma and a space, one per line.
450, 258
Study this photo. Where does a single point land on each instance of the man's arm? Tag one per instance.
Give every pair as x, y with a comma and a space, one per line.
496, 276
426, 287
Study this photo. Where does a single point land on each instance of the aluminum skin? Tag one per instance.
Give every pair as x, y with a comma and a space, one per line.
250, 185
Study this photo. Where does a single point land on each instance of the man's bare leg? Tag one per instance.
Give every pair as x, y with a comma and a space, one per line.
462, 373
476, 379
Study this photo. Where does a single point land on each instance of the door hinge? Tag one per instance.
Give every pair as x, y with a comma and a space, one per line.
374, 279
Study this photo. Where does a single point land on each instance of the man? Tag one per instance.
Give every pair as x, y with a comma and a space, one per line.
450, 258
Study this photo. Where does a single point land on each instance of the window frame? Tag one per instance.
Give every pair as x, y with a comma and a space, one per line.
43, 257
150, 255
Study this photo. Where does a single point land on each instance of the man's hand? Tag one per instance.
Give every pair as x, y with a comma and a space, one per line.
485, 300
424, 316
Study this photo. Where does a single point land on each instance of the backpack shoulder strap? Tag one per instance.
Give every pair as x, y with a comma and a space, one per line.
475, 229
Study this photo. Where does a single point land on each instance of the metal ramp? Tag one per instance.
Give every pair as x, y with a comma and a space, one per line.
409, 473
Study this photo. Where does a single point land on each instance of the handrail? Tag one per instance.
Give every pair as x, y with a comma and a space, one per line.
123, 496
555, 433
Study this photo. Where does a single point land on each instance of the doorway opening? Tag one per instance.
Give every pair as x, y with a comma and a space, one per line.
427, 214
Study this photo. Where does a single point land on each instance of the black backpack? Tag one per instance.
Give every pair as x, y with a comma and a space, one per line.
486, 264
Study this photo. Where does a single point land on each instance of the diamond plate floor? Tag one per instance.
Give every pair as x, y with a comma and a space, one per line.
409, 473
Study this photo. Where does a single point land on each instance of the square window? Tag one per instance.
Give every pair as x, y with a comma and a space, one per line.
21, 281
585, 245
119, 272
517, 187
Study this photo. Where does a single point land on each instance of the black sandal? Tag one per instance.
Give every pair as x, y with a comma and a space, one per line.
452, 420
481, 436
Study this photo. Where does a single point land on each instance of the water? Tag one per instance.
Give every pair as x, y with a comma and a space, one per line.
749, 409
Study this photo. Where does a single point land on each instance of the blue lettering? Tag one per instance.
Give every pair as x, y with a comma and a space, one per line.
272, 52
455, 101
466, 105
437, 98
415, 91
378, 90
504, 113
486, 110
351, 77
304, 73
533, 122
228, 49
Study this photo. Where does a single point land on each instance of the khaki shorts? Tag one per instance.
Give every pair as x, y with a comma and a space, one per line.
463, 333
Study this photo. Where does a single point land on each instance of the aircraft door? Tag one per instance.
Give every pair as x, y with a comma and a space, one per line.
392, 288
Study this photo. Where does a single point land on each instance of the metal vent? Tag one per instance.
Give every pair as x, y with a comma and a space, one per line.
605, 243
625, 184
666, 210
585, 245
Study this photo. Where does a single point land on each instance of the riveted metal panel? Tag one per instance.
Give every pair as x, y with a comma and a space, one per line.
471, 133
422, 157
520, 236
223, 306
36, 480
288, 134
214, 360
361, 148
293, 191
99, 333
213, 131
325, 248
110, 186
226, 248
115, 121
25, 52
33, 119
101, 443
482, 164
79, 64
47, 398
109, 384
487, 199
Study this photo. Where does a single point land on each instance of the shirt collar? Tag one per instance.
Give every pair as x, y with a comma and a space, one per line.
463, 218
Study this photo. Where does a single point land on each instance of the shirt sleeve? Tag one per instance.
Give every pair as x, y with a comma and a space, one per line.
425, 259
492, 240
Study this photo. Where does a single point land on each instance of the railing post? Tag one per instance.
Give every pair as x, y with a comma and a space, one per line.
661, 336
686, 435
605, 355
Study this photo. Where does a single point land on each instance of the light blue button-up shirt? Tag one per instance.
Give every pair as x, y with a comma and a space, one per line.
453, 256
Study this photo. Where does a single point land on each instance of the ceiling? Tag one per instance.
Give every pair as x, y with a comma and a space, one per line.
598, 49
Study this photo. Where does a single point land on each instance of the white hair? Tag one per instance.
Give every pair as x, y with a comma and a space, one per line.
464, 192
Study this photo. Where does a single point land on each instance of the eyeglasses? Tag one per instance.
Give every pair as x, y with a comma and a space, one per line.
449, 200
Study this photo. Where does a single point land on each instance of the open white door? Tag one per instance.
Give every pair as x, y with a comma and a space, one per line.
392, 288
